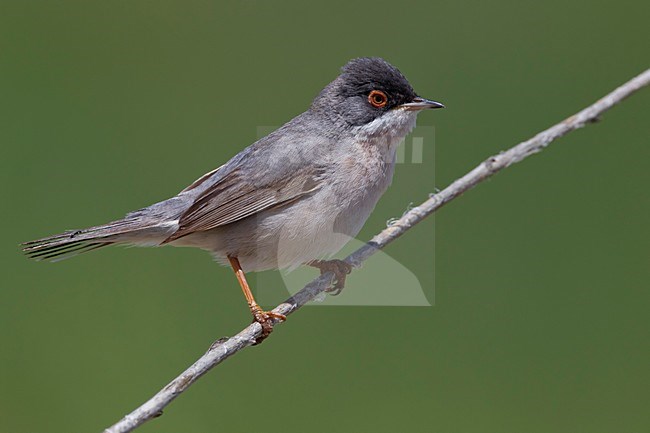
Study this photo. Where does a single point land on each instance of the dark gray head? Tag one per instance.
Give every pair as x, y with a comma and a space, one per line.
368, 88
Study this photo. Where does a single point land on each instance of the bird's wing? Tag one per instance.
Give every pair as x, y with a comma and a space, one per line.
237, 194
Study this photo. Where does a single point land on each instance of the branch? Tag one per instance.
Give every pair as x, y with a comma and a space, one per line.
226, 347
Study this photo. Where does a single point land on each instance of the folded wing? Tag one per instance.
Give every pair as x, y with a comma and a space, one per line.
236, 196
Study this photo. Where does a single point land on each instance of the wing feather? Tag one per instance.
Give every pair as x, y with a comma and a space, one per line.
235, 196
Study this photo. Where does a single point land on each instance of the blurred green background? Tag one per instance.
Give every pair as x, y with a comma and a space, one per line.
540, 278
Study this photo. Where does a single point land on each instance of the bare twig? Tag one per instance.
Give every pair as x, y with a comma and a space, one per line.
227, 347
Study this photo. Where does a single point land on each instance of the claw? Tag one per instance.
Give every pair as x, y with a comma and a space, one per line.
340, 269
266, 319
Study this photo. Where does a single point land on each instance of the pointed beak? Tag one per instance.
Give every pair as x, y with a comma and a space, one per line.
418, 104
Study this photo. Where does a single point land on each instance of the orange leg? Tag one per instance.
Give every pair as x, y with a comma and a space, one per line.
264, 318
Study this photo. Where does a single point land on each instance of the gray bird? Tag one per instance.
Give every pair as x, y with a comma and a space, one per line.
293, 197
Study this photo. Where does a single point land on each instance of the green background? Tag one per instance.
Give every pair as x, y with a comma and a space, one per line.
540, 277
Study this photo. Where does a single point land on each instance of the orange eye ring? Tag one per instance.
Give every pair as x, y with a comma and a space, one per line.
377, 99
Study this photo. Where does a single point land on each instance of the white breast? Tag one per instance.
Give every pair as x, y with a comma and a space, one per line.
324, 223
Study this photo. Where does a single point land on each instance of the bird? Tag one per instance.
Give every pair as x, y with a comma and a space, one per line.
294, 197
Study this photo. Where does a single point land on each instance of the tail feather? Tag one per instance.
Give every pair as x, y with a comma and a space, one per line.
74, 242
67, 252
41, 251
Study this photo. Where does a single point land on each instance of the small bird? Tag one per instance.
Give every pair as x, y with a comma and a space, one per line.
294, 197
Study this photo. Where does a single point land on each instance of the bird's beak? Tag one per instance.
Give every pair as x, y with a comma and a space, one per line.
418, 104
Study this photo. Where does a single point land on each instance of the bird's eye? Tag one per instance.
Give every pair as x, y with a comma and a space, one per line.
378, 99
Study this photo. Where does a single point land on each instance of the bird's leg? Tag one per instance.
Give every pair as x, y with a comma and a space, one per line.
340, 269
264, 318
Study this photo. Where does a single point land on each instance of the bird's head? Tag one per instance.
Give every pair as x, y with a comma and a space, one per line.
371, 92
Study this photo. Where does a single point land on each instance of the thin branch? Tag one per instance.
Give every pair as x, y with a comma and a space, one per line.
226, 347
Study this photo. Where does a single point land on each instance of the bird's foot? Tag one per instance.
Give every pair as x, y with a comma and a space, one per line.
340, 269
267, 319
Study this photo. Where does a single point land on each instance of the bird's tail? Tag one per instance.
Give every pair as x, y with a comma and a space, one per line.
73, 242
